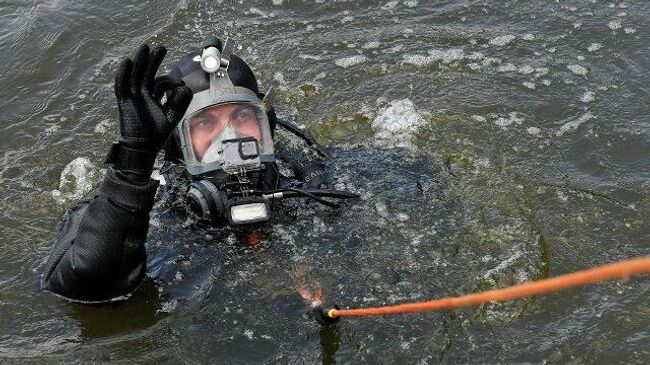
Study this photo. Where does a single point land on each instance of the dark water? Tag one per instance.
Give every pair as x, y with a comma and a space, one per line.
492, 142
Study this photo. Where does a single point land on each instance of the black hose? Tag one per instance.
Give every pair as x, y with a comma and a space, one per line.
298, 132
307, 194
327, 193
313, 194
333, 193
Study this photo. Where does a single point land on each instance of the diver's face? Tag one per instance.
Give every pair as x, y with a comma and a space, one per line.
207, 125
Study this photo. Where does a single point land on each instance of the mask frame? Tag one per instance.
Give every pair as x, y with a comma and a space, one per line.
192, 161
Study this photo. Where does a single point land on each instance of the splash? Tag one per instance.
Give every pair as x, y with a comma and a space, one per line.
350, 61
313, 298
77, 179
574, 124
502, 40
396, 124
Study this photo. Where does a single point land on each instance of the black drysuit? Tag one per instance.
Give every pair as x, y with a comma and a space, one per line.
100, 252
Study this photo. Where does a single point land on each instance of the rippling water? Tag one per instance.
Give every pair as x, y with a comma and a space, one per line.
492, 143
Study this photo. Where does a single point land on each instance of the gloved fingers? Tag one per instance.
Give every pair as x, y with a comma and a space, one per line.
155, 59
162, 84
122, 86
177, 104
140, 60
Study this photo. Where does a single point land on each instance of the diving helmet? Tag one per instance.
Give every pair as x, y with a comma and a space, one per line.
223, 111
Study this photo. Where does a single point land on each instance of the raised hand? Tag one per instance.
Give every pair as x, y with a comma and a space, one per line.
145, 123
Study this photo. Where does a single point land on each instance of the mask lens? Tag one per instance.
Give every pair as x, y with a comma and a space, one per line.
206, 129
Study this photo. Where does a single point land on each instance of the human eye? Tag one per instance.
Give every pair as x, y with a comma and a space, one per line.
243, 114
202, 123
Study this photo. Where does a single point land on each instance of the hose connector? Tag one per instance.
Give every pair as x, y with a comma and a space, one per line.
322, 314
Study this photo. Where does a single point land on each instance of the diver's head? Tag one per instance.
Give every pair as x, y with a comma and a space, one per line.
226, 104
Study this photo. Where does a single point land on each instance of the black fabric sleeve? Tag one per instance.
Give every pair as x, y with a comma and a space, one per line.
99, 254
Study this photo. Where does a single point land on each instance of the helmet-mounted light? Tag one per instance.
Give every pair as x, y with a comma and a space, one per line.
210, 59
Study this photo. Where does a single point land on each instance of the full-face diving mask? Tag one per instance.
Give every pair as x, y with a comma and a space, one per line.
226, 141
223, 113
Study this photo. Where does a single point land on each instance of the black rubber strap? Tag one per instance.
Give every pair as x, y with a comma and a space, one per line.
312, 173
122, 157
137, 198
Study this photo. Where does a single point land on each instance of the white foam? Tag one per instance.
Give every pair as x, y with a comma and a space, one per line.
529, 85
168, 307
513, 117
371, 45
614, 24
588, 97
488, 61
390, 5
478, 118
594, 47
475, 56
259, 12
310, 57
504, 264
435, 55
396, 124
629, 30
454, 54
77, 179
411, 3
52, 129
533, 130
402, 217
508, 67
350, 61
526, 70
249, 334
502, 40
103, 126
578, 70
574, 124
528, 37
279, 77
541, 71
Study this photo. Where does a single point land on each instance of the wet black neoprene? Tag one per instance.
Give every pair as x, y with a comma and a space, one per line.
100, 252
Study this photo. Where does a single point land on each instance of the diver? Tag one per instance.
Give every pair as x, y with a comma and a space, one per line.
216, 131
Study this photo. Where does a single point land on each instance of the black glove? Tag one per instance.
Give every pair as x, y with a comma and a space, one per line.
145, 124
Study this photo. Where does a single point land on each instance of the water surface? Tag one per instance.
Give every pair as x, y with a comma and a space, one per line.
492, 143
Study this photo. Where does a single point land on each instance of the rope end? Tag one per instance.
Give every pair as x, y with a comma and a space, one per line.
325, 315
